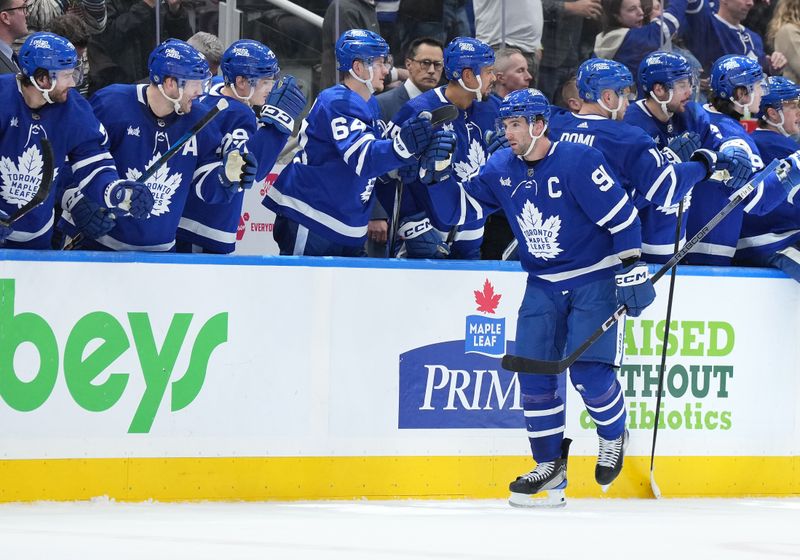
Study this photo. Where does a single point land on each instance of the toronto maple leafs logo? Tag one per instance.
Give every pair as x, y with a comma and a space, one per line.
133, 131
505, 181
541, 236
448, 127
672, 210
476, 159
14, 122
21, 178
368, 191
163, 185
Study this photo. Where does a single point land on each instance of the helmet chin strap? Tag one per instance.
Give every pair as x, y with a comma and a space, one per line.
476, 91
663, 104
778, 125
46, 92
533, 137
247, 99
612, 111
176, 103
367, 82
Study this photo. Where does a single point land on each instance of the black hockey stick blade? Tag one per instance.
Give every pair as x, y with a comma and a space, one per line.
443, 114
521, 364
48, 170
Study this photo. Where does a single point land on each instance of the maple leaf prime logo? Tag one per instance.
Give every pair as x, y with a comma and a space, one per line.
485, 335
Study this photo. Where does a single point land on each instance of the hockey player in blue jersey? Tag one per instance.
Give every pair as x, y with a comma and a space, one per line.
666, 114
774, 238
249, 70
737, 85
323, 199
469, 69
650, 176
143, 121
40, 103
580, 242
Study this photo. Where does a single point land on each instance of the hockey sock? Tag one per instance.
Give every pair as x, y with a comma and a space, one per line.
602, 395
545, 420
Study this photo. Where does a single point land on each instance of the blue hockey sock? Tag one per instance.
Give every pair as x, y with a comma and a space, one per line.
602, 395
545, 420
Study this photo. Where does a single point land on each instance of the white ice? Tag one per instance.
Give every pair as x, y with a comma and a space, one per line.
672, 529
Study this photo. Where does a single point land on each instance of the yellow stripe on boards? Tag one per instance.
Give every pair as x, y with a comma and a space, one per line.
309, 478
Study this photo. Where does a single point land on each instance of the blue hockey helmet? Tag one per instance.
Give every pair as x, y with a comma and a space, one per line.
599, 74
732, 71
780, 90
529, 103
665, 68
249, 59
48, 51
465, 52
359, 44
177, 59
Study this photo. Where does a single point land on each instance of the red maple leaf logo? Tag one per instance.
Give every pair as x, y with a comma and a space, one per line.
487, 300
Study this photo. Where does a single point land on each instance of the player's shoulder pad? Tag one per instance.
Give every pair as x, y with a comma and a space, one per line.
339, 100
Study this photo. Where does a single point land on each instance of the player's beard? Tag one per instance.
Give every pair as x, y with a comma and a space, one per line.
59, 96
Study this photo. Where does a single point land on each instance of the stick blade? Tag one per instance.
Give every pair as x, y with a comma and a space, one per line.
653, 486
443, 114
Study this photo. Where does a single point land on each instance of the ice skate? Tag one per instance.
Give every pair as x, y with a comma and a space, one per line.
609, 460
550, 477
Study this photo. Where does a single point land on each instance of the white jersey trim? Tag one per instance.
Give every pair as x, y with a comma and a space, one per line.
764, 239
112, 243
23, 236
626, 223
713, 249
320, 217
90, 160
665, 249
207, 231
608, 262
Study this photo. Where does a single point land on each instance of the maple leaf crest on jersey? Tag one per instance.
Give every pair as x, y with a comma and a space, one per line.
466, 170
162, 185
541, 237
21, 179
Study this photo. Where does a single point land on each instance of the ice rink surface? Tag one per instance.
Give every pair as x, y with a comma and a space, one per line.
449, 529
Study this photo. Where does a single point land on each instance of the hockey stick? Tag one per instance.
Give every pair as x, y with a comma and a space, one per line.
221, 105
443, 114
521, 364
48, 170
653, 486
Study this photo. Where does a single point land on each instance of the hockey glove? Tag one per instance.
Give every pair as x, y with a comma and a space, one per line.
414, 137
733, 159
422, 241
791, 179
239, 172
5, 231
129, 197
435, 163
409, 173
634, 289
284, 105
90, 218
495, 141
683, 146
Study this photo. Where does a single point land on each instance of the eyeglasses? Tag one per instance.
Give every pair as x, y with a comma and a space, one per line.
437, 65
24, 9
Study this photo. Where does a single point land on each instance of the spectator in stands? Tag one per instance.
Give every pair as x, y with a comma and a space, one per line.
711, 35
561, 36
210, 47
12, 26
627, 38
421, 18
119, 54
73, 27
567, 96
42, 12
522, 28
511, 70
353, 14
784, 34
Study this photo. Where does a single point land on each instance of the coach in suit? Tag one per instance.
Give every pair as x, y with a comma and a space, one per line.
424, 62
13, 25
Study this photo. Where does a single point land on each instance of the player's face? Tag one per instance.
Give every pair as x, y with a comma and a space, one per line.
425, 69
192, 89
516, 75
752, 99
791, 117
681, 94
64, 81
488, 78
518, 134
261, 90
380, 69
630, 13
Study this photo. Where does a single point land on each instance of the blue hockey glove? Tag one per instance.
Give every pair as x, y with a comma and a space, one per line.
435, 163
284, 105
733, 159
495, 141
414, 137
129, 197
238, 172
684, 146
408, 173
5, 231
634, 289
422, 241
90, 218
790, 180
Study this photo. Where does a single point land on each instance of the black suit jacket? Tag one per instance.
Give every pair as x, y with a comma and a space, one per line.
7, 66
391, 101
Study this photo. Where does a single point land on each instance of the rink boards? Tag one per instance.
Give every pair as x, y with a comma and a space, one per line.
178, 377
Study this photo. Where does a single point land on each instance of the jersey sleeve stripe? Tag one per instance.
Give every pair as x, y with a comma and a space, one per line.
23, 236
90, 160
92, 175
619, 227
475, 205
669, 171
614, 211
757, 194
356, 145
362, 158
469, 234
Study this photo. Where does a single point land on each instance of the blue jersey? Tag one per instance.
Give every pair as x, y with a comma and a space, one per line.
709, 197
642, 168
137, 138
571, 221
658, 222
470, 128
629, 45
710, 37
75, 136
328, 185
779, 228
213, 226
